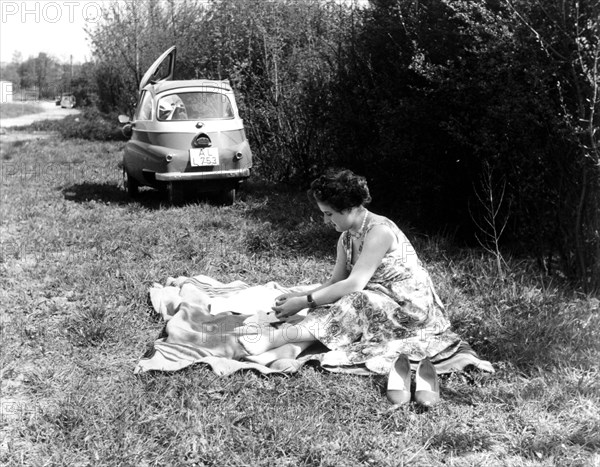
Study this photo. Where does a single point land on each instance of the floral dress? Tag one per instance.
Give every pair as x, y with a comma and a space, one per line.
397, 312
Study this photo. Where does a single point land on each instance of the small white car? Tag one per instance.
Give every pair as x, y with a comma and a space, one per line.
185, 136
67, 102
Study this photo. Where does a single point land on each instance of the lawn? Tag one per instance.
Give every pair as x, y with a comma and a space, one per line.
18, 109
78, 257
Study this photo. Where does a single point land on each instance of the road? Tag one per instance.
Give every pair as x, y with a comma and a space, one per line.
51, 112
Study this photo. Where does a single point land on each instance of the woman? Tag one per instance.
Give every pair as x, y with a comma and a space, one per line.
379, 301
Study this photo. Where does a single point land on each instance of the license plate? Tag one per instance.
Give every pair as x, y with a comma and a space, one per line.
203, 157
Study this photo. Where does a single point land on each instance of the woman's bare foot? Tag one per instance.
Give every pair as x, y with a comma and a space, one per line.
288, 351
267, 337
255, 344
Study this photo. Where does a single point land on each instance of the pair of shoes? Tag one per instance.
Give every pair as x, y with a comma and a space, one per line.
427, 389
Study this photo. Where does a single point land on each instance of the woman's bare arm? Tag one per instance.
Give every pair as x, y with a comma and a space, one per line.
376, 244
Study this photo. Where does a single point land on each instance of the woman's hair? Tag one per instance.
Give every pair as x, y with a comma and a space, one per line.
340, 189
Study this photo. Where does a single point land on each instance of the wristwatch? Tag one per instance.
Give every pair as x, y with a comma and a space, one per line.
311, 302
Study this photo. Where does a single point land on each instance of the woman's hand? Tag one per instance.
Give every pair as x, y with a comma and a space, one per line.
286, 296
286, 306
283, 297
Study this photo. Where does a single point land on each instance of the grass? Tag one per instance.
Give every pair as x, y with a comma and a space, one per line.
18, 109
78, 257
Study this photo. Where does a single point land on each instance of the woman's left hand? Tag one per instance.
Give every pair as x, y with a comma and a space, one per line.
289, 306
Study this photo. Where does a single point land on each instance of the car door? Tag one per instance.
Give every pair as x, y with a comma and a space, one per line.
161, 70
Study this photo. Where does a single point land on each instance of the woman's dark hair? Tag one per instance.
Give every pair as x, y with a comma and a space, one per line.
340, 189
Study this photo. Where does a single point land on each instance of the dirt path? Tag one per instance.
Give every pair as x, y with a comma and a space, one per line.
51, 112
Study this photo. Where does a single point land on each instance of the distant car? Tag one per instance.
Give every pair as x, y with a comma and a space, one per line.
67, 102
185, 136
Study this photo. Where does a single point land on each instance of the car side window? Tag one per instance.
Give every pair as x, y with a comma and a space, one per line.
144, 110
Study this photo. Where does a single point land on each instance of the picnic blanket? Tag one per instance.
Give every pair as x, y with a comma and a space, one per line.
204, 318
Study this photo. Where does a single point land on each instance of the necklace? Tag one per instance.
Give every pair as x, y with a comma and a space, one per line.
362, 226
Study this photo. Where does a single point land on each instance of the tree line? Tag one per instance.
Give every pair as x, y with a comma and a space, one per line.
45, 77
479, 119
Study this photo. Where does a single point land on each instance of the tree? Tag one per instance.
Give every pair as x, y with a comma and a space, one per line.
568, 36
40, 75
10, 72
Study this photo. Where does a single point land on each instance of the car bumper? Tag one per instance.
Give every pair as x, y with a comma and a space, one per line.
196, 176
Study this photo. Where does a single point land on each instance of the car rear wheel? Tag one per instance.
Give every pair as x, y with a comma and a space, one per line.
174, 194
130, 184
227, 197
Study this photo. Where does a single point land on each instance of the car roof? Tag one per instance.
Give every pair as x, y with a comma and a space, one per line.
217, 85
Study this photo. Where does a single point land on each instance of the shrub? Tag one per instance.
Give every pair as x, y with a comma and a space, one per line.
92, 125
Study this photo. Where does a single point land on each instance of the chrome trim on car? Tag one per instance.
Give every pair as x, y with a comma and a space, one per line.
183, 176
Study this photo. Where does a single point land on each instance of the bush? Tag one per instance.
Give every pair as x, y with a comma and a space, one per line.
92, 125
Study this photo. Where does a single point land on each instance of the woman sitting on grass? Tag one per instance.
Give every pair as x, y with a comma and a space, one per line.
379, 302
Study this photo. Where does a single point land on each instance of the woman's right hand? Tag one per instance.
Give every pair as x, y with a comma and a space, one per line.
281, 299
289, 306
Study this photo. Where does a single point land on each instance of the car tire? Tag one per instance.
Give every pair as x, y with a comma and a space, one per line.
130, 184
174, 194
227, 197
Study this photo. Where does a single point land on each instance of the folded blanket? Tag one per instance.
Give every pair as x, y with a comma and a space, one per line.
204, 319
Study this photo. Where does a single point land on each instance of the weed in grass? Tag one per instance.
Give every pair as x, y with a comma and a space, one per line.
9, 151
89, 326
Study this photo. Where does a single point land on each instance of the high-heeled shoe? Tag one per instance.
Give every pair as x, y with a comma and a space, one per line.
398, 385
427, 388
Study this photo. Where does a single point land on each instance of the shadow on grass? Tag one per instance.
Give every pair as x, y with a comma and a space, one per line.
288, 221
111, 193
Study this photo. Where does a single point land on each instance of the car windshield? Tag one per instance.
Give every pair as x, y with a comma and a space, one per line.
194, 106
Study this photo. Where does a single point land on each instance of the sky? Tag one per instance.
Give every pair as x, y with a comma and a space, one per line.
53, 27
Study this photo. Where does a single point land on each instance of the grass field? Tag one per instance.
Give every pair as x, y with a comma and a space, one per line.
18, 109
78, 258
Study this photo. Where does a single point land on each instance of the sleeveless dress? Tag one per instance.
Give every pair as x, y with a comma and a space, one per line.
397, 312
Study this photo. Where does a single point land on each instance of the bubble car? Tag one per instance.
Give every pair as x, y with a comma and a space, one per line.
185, 136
